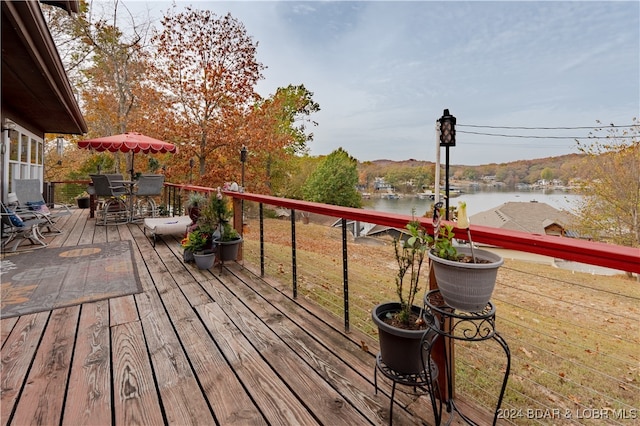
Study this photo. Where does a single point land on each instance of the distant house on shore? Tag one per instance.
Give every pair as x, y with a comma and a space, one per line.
532, 217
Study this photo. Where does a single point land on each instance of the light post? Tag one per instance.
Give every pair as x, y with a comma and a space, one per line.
243, 159
447, 139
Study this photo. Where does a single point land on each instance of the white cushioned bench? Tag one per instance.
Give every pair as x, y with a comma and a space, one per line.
166, 225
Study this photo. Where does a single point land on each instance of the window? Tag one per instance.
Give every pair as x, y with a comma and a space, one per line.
24, 148
26, 155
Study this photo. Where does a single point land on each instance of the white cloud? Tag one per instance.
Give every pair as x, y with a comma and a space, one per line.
383, 72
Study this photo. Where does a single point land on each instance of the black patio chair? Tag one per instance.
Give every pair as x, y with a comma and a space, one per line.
112, 205
149, 186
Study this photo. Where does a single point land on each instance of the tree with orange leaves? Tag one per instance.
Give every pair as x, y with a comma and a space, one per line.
206, 67
275, 131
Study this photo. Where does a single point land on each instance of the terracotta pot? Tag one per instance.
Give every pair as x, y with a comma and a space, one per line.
194, 213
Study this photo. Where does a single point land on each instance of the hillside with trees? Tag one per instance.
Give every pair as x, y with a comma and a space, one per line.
413, 175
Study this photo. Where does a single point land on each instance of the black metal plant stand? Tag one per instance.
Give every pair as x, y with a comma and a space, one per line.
423, 380
465, 326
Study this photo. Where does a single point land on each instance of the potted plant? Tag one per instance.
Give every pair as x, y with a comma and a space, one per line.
83, 200
466, 277
401, 324
198, 244
217, 215
195, 202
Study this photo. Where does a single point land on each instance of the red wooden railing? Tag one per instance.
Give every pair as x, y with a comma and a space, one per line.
625, 259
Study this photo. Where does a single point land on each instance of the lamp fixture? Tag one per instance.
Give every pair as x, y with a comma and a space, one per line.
60, 145
447, 129
243, 154
8, 124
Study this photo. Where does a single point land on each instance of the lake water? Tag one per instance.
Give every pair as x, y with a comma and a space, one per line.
481, 201
478, 201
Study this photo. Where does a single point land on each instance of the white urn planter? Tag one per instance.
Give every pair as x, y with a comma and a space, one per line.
467, 286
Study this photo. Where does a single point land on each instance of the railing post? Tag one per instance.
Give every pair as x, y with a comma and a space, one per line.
439, 346
238, 222
345, 275
166, 199
261, 241
294, 269
177, 201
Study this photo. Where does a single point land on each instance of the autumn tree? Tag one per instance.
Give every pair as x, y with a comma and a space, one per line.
206, 67
611, 206
276, 132
108, 65
299, 169
334, 181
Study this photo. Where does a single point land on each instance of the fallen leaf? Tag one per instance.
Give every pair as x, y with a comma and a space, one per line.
526, 352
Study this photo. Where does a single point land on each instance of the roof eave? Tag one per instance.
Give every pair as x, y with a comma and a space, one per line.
34, 82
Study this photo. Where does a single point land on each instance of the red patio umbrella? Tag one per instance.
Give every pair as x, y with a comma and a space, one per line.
128, 142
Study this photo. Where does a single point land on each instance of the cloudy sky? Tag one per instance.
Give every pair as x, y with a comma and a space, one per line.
383, 71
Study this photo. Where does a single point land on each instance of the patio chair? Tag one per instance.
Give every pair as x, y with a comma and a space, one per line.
149, 186
29, 193
17, 229
112, 205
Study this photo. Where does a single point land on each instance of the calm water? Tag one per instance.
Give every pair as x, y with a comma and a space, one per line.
478, 201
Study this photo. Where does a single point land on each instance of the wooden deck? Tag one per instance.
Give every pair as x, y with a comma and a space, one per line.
195, 347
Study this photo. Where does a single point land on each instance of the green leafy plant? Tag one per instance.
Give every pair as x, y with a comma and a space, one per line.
196, 240
228, 233
443, 245
409, 255
216, 216
196, 199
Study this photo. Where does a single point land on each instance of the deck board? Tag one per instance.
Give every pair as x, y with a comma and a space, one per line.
17, 352
41, 401
136, 400
91, 368
195, 347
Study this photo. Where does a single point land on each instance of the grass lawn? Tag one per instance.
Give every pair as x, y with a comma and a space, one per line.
574, 337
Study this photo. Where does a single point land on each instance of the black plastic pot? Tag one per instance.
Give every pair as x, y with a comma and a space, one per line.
83, 203
402, 350
227, 250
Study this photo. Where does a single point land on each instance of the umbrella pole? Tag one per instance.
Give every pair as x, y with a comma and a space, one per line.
133, 153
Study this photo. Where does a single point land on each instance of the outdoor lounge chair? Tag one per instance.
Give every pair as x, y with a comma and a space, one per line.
17, 229
29, 193
113, 207
166, 226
